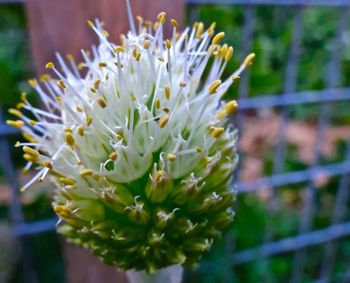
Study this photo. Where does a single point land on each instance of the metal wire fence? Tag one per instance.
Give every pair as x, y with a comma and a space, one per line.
339, 227
306, 237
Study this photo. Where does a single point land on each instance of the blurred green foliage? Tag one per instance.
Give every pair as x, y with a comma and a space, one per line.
272, 36
272, 39
15, 63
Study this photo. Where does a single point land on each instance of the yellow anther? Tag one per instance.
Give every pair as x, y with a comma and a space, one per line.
133, 97
20, 105
146, 44
32, 82
174, 23
235, 78
213, 87
87, 53
61, 84
122, 38
66, 181
68, 130
200, 30
186, 36
229, 54
161, 17
155, 25
171, 157
17, 124
163, 120
138, 57
210, 32
195, 25
24, 96
231, 107
70, 139
217, 38
113, 156
134, 52
118, 65
86, 172
49, 65
47, 164
15, 112
63, 211
249, 60
148, 23
81, 131
139, 19
211, 29
166, 109
223, 50
79, 109
97, 84
168, 44
157, 103
102, 102
32, 122
217, 132
119, 49
17, 144
44, 77
96, 177
159, 176
81, 65
119, 137
58, 99
167, 91
30, 158
29, 138
102, 64
221, 114
31, 151
105, 33
70, 57
183, 84
198, 149
90, 23
88, 120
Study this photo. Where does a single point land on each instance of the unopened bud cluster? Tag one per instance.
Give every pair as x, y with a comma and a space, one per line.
138, 146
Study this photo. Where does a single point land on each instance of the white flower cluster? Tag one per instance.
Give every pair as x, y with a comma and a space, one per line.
135, 137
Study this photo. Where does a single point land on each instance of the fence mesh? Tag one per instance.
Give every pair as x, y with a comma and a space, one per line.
271, 113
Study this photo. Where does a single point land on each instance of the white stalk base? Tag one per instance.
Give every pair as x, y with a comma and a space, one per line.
171, 274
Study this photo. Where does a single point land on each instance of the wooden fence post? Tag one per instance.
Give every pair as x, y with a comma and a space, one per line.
60, 26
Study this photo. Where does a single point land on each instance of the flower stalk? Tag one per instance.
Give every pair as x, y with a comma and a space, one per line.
171, 274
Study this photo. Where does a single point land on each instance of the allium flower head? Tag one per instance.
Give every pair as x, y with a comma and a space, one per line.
138, 144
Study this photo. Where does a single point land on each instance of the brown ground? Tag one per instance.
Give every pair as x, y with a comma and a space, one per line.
261, 136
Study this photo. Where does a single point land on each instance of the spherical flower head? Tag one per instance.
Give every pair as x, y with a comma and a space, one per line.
138, 145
